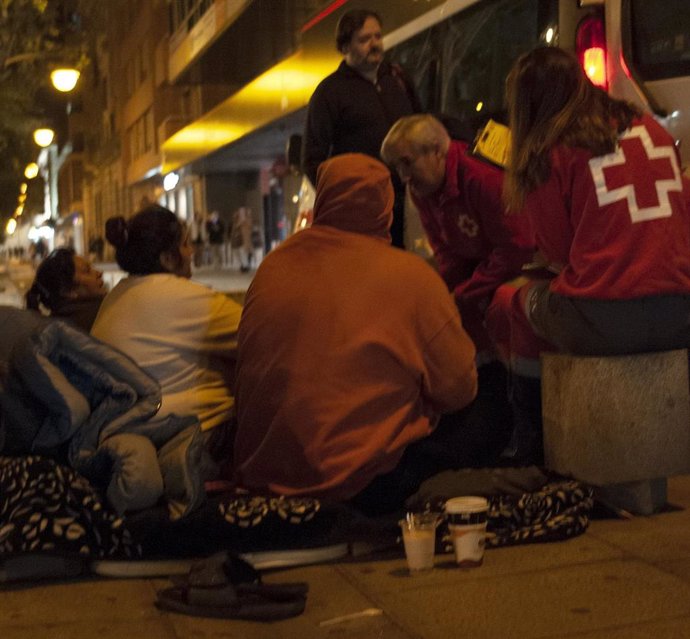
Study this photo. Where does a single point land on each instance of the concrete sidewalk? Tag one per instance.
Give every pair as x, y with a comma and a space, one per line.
623, 579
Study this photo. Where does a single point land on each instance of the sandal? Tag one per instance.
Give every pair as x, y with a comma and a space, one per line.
225, 586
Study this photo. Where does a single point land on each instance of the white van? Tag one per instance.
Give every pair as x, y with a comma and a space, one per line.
647, 51
459, 52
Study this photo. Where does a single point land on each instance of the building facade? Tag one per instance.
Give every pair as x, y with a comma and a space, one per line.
159, 70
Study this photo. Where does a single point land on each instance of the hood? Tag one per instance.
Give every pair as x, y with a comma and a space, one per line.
354, 193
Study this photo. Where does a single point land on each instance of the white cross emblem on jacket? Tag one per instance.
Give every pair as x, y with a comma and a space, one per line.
627, 191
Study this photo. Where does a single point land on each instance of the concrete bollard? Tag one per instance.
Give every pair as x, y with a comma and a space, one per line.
617, 420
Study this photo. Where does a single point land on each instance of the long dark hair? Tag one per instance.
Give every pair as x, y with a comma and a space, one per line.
140, 241
551, 101
54, 279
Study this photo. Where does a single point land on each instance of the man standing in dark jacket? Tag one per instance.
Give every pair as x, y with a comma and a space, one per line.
352, 109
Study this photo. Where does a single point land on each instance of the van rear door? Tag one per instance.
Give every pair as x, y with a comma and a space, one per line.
649, 49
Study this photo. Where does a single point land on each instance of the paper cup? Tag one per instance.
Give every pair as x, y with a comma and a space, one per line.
419, 538
467, 526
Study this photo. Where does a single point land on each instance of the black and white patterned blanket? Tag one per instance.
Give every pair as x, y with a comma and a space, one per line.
49, 509
46, 508
557, 511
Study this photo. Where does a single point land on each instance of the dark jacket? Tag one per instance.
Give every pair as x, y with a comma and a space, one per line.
349, 114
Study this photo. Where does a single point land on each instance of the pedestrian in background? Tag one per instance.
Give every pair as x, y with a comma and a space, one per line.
198, 238
40, 249
96, 246
242, 224
215, 232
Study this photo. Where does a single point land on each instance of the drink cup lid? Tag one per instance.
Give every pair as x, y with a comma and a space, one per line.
420, 521
466, 505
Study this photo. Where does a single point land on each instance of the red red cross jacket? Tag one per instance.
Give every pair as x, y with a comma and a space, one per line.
619, 223
477, 246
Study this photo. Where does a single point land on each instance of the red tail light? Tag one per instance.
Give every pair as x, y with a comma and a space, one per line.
591, 49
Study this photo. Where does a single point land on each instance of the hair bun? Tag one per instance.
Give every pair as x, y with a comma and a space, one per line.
116, 231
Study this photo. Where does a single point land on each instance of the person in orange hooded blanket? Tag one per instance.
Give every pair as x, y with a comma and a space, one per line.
349, 351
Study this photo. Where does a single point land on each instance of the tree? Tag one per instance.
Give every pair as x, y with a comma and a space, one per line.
34, 35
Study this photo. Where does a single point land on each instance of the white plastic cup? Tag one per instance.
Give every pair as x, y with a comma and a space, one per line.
419, 539
467, 526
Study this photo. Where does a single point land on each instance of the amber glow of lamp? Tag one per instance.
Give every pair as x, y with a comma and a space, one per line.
44, 137
65, 79
31, 171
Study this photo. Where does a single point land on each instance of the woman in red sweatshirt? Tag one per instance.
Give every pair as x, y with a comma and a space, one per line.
603, 188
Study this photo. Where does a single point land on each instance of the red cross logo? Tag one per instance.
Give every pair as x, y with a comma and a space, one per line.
640, 173
467, 225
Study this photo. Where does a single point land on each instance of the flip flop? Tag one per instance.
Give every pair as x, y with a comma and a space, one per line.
230, 602
218, 569
224, 586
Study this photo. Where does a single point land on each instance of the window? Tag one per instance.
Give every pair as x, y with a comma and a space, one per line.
148, 131
142, 63
660, 36
459, 66
419, 57
131, 144
131, 79
186, 13
481, 46
136, 139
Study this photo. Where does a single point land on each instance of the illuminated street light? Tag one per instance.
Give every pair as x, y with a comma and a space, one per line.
44, 137
64, 79
23, 187
11, 226
170, 181
31, 171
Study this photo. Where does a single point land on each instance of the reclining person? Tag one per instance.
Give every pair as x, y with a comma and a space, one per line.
68, 287
348, 352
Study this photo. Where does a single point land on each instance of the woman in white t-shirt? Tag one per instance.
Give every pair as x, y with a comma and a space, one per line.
180, 332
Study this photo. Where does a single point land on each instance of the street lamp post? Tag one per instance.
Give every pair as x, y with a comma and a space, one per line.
64, 80
48, 160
